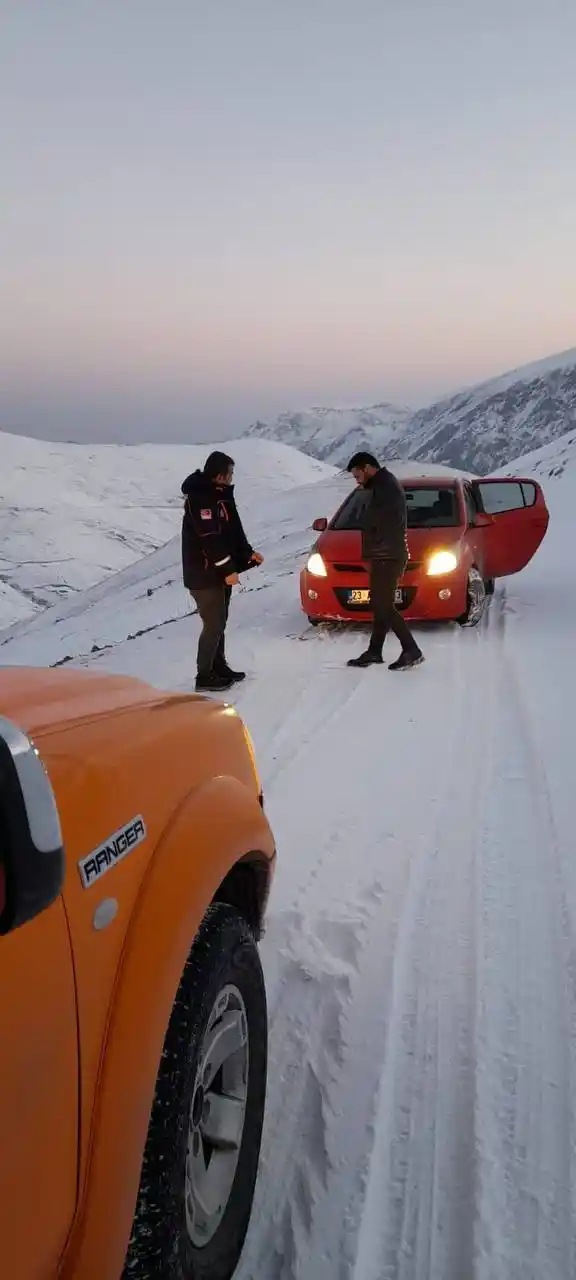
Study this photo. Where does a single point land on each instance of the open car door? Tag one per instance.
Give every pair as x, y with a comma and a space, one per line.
518, 522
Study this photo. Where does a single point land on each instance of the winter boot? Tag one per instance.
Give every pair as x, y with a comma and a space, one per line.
212, 683
226, 673
407, 660
367, 659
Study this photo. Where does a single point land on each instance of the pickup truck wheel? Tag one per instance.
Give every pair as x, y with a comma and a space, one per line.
203, 1146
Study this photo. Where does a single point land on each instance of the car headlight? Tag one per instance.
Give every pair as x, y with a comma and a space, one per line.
442, 562
316, 566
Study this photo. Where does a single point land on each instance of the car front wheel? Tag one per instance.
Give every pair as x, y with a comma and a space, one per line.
203, 1147
475, 600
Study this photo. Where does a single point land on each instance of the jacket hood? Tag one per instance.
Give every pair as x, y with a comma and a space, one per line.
197, 482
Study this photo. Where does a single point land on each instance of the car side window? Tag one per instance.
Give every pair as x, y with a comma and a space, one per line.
506, 495
529, 491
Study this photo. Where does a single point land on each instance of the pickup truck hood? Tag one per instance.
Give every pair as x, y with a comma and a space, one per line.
39, 700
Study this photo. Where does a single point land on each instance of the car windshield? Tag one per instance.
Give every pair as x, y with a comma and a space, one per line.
431, 507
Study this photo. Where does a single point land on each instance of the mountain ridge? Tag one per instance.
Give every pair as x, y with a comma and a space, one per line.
479, 428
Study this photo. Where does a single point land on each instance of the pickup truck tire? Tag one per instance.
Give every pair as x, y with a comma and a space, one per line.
203, 1147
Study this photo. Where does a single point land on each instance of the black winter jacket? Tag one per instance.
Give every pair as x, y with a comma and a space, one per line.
214, 544
384, 528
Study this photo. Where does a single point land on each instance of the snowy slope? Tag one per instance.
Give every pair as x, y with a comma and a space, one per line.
335, 434
552, 462
421, 1120
478, 429
72, 514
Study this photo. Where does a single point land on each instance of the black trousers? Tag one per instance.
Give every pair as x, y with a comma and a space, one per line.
384, 578
213, 604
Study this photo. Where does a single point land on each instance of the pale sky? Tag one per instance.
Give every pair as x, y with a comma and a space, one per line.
216, 210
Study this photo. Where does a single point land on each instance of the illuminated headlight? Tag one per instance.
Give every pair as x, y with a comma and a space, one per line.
442, 562
316, 566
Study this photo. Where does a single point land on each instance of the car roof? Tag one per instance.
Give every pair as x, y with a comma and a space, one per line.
424, 482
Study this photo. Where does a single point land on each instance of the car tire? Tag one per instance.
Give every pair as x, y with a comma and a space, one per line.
490, 586
199, 1117
475, 600
314, 622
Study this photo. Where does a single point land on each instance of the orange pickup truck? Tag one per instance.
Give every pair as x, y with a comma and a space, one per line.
135, 867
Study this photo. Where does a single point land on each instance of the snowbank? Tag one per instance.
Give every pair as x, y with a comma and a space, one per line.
70, 514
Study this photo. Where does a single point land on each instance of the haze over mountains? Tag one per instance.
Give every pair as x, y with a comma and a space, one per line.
479, 429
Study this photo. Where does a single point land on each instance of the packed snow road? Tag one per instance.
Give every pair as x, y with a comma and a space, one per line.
419, 1120
420, 953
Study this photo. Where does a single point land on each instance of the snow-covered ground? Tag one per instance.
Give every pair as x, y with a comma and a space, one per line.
421, 946
71, 514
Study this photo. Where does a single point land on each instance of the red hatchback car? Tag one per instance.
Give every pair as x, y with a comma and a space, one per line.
462, 534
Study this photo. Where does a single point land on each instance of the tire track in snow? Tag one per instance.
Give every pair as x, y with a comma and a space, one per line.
337, 942
419, 1123
321, 700
320, 772
526, 1031
418, 1212
473, 1168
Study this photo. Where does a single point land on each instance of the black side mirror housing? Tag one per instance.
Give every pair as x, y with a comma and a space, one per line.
32, 861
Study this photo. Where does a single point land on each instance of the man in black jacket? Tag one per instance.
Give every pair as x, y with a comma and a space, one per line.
215, 550
385, 547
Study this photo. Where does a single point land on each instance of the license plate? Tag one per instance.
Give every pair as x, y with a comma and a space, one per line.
359, 596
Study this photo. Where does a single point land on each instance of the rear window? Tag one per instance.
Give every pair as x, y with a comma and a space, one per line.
434, 508
427, 508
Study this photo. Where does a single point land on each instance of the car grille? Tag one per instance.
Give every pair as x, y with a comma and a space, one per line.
341, 593
361, 568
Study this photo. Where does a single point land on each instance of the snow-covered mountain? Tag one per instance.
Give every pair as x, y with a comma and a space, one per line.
483, 428
478, 429
554, 461
72, 514
333, 435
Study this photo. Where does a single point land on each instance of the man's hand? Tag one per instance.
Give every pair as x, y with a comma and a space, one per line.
257, 558
232, 580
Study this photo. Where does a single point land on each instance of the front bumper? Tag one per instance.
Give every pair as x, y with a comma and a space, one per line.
424, 599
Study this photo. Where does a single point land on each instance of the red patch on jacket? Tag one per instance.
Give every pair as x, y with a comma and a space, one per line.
206, 514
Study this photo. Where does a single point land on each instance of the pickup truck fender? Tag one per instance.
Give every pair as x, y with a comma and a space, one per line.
224, 820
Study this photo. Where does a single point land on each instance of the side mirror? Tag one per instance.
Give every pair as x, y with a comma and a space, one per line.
482, 521
320, 525
32, 863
